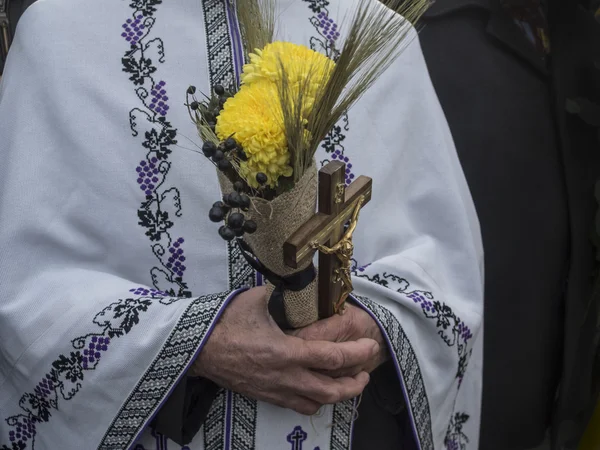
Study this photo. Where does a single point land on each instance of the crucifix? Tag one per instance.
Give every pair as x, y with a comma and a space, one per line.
329, 232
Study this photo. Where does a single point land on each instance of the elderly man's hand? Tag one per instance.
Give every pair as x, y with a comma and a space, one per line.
353, 325
249, 354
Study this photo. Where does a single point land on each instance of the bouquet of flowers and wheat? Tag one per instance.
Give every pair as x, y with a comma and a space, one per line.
263, 134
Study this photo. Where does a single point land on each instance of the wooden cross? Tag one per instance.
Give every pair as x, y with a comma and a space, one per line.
337, 205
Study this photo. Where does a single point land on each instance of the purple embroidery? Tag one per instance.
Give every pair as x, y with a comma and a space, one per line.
442, 312
161, 203
326, 42
296, 438
328, 27
177, 258
159, 99
453, 331
93, 352
337, 154
66, 375
148, 175
133, 30
456, 439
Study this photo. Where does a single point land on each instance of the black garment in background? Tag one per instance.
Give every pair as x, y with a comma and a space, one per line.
381, 421
533, 190
14, 11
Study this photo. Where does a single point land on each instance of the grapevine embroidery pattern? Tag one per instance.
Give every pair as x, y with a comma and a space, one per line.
325, 42
455, 438
451, 329
405, 357
65, 378
162, 203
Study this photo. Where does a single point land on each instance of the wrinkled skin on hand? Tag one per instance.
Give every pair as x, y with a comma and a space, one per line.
353, 325
248, 353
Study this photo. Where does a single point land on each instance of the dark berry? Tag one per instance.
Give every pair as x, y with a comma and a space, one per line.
218, 156
261, 178
234, 199
250, 226
219, 90
191, 90
218, 205
242, 154
238, 186
236, 220
216, 214
226, 233
209, 148
230, 144
226, 199
244, 201
194, 105
224, 165
239, 232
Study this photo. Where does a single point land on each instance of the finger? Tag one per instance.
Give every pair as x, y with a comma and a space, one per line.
325, 355
330, 329
298, 403
347, 372
326, 390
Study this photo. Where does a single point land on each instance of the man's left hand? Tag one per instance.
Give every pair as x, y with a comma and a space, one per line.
354, 324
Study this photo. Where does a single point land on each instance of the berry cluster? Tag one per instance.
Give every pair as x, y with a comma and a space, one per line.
231, 212
175, 261
132, 30
226, 156
94, 350
147, 175
329, 27
24, 430
159, 99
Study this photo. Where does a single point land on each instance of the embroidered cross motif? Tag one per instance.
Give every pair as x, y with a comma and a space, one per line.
296, 438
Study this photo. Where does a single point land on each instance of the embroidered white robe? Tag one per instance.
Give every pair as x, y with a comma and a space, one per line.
112, 277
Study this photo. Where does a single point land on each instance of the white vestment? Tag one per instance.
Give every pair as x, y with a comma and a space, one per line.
112, 277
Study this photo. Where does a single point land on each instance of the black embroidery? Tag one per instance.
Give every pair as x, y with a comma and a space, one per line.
180, 348
455, 438
317, 6
325, 42
235, 409
161, 203
453, 331
410, 372
65, 376
341, 430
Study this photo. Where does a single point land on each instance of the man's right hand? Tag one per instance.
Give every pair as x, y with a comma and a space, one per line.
248, 353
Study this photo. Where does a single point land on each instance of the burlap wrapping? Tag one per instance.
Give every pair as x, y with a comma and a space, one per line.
277, 220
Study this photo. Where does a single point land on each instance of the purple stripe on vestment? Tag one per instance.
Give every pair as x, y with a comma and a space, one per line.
236, 40
398, 372
230, 297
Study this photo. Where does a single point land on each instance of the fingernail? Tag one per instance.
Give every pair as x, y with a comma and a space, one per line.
375, 348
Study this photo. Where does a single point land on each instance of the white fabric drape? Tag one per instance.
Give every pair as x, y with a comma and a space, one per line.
111, 276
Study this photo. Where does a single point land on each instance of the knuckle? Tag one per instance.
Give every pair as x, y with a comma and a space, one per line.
306, 409
333, 395
336, 359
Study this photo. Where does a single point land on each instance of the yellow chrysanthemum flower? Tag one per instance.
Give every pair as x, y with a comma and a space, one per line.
253, 116
299, 62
